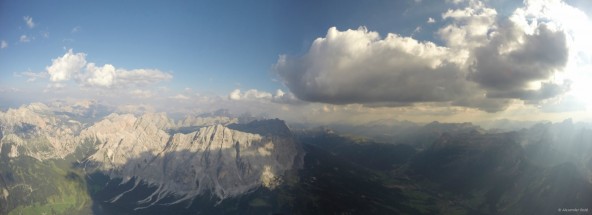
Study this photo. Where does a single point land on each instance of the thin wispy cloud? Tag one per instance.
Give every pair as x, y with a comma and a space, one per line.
180, 97
44, 34
142, 94
24, 38
32, 76
3, 44
29, 21
76, 29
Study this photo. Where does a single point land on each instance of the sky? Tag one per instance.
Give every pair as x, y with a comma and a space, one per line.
305, 61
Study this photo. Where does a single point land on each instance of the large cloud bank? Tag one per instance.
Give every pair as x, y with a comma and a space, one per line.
485, 61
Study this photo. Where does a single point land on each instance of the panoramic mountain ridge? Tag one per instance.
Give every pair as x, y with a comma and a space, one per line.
211, 159
63, 162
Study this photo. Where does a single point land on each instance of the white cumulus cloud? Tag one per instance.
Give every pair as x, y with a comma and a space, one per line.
74, 66
251, 94
358, 66
487, 61
63, 68
257, 95
100, 76
235, 95
505, 57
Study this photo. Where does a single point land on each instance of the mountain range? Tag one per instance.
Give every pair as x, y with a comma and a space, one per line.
87, 159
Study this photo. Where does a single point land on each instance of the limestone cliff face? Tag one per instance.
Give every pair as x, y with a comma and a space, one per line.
123, 137
214, 159
211, 158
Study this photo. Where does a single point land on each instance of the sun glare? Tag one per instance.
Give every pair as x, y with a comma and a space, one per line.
578, 28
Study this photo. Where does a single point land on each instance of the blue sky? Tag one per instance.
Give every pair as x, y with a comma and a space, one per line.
494, 59
208, 45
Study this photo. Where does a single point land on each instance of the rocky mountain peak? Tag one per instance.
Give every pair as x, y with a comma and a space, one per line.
215, 159
214, 155
160, 120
